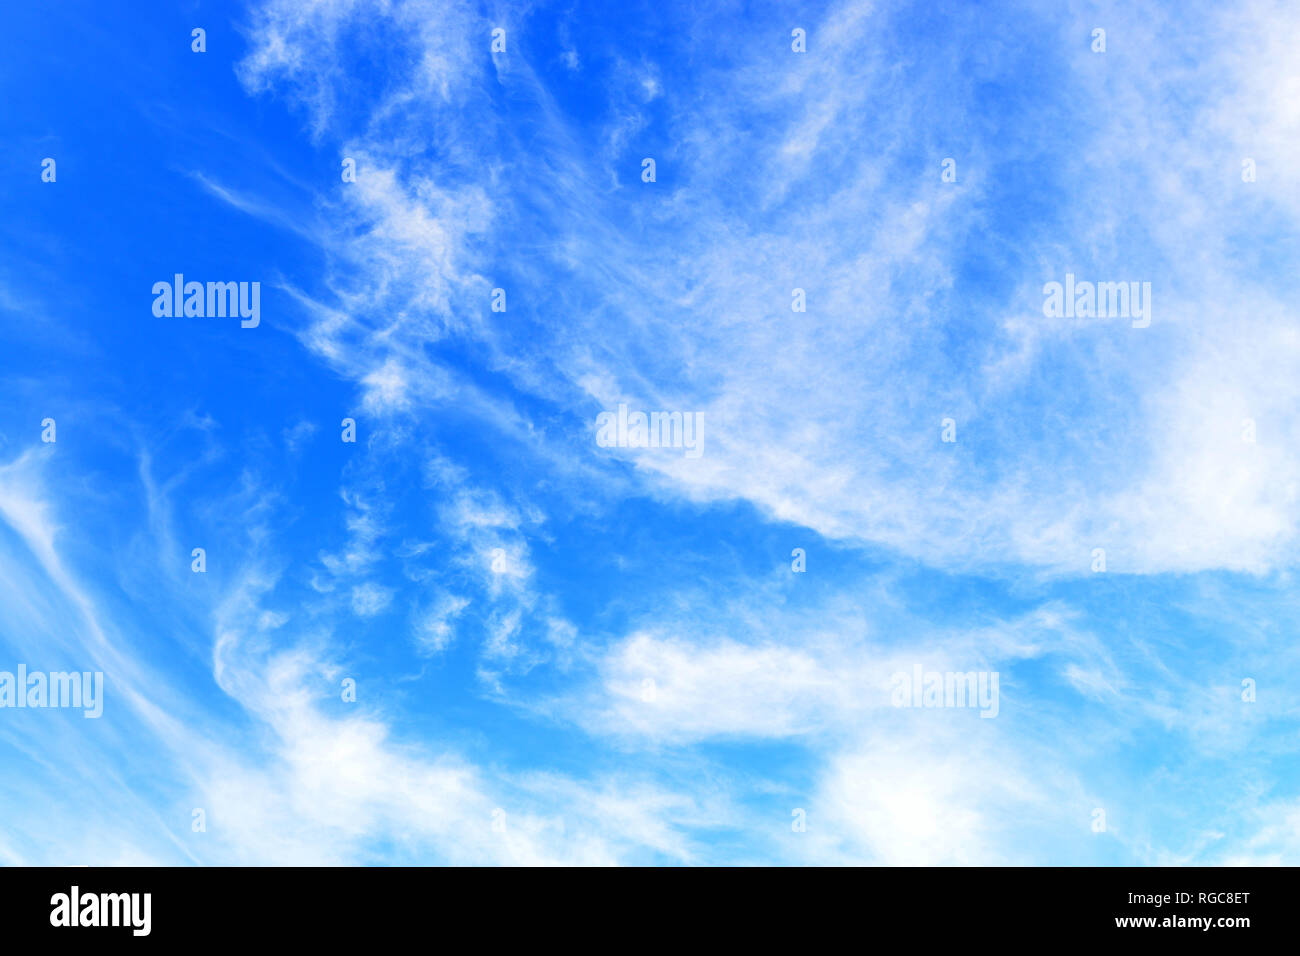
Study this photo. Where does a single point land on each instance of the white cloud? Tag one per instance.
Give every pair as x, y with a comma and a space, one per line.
369, 599
434, 631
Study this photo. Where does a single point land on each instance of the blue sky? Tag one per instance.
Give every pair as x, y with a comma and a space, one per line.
570, 653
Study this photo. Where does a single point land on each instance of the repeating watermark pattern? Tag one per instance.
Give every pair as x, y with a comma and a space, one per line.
807, 157
63, 689
922, 688
623, 429
1101, 300
213, 299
